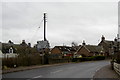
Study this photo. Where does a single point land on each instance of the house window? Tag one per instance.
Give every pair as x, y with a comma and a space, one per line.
11, 50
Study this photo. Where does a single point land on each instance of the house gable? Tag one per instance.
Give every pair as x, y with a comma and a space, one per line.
83, 51
90, 50
107, 46
55, 51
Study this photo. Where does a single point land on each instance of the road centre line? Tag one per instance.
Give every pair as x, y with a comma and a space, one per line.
35, 77
38, 76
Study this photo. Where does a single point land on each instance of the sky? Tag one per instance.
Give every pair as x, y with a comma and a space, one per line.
119, 19
66, 22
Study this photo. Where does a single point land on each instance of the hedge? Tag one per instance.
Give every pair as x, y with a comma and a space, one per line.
88, 58
22, 60
98, 57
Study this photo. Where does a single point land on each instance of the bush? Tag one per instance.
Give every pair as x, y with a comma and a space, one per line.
29, 59
98, 57
9, 62
118, 58
88, 58
74, 59
22, 60
118, 61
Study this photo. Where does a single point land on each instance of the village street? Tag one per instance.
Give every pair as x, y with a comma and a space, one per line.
71, 70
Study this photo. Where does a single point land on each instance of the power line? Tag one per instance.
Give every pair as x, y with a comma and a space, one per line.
36, 30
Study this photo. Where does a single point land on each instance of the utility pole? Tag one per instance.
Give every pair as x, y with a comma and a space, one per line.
44, 44
44, 26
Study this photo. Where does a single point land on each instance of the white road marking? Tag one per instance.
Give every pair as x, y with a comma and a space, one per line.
38, 76
57, 71
35, 77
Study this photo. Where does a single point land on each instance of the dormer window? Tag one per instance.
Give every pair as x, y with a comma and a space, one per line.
11, 50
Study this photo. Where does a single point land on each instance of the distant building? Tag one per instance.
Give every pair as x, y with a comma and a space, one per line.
116, 46
7, 50
107, 45
9, 47
42, 45
63, 51
89, 50
23, 48
24, 43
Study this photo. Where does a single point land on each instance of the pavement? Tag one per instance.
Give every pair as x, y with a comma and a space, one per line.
106, 72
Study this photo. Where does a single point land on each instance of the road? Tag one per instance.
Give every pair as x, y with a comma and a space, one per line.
71, 70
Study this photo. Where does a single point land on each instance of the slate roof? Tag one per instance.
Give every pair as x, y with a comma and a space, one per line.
106, 44
65, 48
109, 43
94, 48
17, 48
6, 46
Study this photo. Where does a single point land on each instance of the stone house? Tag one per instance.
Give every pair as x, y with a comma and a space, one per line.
89, 50
107, 45
23, 48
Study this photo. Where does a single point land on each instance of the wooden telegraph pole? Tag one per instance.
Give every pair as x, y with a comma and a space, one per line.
44, 26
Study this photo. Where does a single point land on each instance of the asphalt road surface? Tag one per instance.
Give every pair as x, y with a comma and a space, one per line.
71, 70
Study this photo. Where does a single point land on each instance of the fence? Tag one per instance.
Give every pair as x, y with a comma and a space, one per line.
117, 67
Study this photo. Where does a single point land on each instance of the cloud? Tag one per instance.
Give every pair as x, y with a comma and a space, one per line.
66, 21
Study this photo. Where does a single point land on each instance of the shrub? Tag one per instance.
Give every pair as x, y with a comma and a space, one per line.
118, 58
98, 57
9, 62
22, 60
74, 59
88, 58
118, 61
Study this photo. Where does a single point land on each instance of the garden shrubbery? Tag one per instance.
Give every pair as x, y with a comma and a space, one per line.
118, 58
36, 59
88, 58
98, 57
31, 59
9, 62
22, 60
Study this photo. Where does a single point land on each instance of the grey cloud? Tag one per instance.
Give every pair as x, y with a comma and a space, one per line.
66, 22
